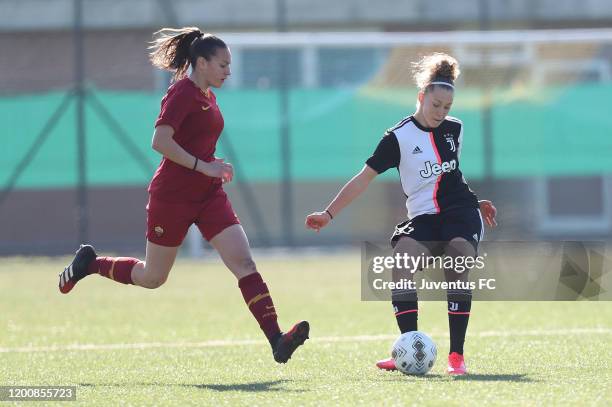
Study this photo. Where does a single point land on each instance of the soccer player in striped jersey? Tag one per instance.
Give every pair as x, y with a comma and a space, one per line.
444, 215
187, 187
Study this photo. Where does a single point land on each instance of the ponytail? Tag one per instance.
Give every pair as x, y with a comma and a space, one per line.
175, 49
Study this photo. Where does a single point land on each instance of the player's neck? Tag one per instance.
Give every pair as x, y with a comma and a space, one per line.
200, 82
420, 118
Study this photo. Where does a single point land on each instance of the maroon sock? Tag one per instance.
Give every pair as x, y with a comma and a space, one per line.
116, 268
257, 297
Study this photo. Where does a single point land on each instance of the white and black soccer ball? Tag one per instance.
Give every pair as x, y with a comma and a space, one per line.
414, 353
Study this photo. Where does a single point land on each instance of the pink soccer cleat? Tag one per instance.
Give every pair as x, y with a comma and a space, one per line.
456, 365
386, 364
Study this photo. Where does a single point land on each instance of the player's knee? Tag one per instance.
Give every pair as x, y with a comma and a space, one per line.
248, 265
460, 250
408, 247
155, 281
458, 247
242, 266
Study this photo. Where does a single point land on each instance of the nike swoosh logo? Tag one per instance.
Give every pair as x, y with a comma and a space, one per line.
205, 108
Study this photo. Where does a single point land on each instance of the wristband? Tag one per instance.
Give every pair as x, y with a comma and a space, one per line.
195, 164
329, 213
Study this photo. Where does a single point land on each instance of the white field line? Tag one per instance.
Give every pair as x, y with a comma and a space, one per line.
324, 339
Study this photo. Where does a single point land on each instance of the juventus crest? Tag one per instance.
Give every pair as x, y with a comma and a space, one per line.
450, 140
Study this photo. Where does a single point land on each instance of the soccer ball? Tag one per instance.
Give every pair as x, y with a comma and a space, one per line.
414, 353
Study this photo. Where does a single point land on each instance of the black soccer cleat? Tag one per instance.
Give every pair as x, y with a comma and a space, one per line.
289, 341
77, 269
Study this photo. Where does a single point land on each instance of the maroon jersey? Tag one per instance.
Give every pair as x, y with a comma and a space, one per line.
197, 123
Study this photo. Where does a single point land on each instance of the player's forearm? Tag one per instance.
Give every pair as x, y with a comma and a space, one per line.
174, 152
347, 194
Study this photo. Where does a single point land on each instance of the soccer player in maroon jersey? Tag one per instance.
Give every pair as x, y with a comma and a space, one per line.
444, 215
187, 187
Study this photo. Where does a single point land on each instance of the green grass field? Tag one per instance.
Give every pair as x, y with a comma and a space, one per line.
193, 341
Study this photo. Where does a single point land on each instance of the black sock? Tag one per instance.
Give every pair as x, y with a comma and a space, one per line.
406, 309
459, 306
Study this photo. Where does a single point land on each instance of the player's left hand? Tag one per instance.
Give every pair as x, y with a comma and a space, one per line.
488, 211
227, 171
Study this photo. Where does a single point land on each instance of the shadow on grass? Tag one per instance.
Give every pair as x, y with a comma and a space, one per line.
275, 385
516, 378
269, 386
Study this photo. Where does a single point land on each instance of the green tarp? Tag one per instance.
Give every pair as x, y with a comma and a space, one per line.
555, 131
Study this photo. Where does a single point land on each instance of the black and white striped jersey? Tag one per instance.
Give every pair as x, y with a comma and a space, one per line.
428, 164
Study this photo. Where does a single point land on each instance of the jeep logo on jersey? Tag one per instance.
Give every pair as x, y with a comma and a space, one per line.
437, 169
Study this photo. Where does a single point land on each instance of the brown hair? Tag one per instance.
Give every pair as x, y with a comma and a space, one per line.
175, 49
437, 67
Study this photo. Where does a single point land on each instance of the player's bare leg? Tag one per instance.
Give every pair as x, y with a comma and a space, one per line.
405, 303
233, 247
151, 273
459, 305
156, 267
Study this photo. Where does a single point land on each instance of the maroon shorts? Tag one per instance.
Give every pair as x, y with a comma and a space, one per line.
167, 223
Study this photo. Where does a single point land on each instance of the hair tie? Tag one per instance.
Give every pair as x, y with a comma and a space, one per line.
450, 85
196, 34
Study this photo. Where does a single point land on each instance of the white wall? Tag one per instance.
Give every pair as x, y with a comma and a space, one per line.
261, 14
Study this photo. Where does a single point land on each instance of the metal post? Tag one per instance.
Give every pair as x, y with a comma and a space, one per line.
81, 204
285, 135
487, 99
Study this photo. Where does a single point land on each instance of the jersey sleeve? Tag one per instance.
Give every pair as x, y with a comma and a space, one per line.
175, 107
386, 155
460, 142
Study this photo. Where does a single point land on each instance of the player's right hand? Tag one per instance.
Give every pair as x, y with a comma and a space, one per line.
317, 220
220, 169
